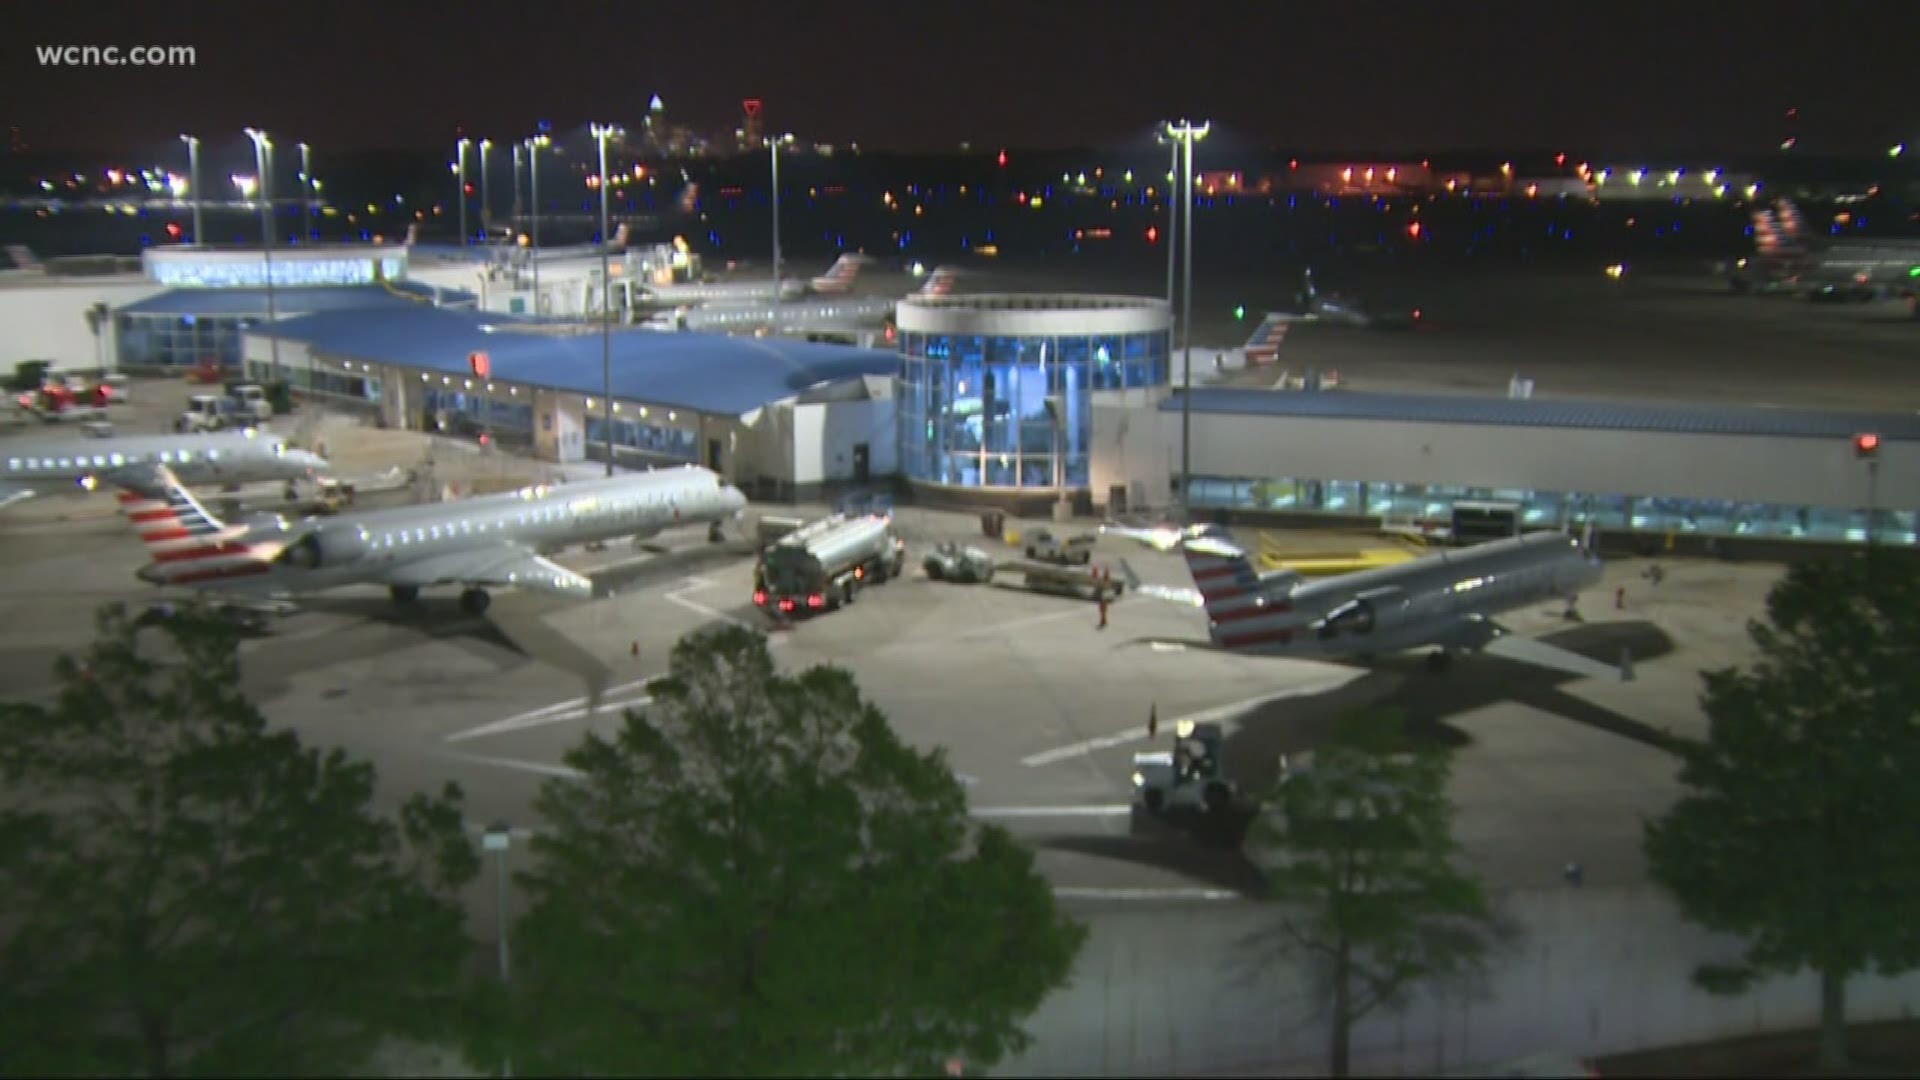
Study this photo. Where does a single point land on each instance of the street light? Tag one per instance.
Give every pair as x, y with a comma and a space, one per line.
261, 144
499, 839
513, 213
773, 151
1173, 215
1186, 133
533, 181
193, 182
1866, 447
460, 169
306, 189
486, 200
600, 133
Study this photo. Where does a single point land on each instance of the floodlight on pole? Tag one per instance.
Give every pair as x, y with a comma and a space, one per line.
460, 183
533, 182
306, 188
193, 182
600, 133
773, 152
1187, 134
486, 201
262, 144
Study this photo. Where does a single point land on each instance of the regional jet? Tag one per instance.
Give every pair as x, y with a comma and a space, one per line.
837, 281
44, 466
1446, 600
491, 540
843, 315
1786, 259
1341, 310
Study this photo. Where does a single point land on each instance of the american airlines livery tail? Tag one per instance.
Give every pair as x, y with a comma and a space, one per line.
839, 277
492, 540
1446, 600
939, 283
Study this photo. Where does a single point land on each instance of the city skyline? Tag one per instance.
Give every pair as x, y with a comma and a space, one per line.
1359, 76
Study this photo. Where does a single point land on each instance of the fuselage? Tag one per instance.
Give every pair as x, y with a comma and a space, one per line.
1439, 599
324, 553
50, 465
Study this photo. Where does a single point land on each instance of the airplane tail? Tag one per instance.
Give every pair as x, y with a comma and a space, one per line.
1241, 609
1777, 230
23, 257
839, 277
939, 283
187, 543
619, 238
413, 234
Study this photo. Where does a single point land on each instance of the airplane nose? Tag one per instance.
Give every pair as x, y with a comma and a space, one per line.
150, 574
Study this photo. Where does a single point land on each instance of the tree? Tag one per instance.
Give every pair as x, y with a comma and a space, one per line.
1795, 828
186, 891
1358, 848
756, 877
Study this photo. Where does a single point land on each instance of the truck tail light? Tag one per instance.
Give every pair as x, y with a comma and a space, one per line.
759, 596
786, 605
816, 600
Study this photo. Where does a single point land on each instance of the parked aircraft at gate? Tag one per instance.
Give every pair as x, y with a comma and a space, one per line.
1446, 600
45, 466
490, 540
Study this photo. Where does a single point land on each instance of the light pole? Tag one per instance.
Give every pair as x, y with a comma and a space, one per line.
773, 151
1187, 133
1173, 218
306, 190
600, 133
261, 144
513, 213
533, 181
486, 199
460, 185
499, 839
193, 183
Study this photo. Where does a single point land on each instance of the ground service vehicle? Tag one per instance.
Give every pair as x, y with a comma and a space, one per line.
1083, 582
211, 412
1044, 545
251, 400
955, 562
826, 564
1187, 788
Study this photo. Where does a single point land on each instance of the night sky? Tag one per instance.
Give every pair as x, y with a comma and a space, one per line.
912, 75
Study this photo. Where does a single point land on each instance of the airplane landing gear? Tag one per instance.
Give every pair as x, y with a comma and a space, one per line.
404, 594
713, 533
475, 601
1439, 660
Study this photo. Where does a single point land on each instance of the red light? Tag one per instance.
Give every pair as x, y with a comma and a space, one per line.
859, 572
1413, 229
173, 229
468, 189
481, 365
1866, 444
1153, 235
1003, 159
1294, 163
1416, 314
786, 605
816, 600
889, 332
759, 597
1559, 159
485, 438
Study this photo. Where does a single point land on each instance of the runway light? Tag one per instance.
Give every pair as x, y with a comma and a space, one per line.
1866, 445
1239, 311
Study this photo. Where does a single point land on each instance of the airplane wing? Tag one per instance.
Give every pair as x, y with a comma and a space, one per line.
1189, 597
13, 493
1534, 651
507, 564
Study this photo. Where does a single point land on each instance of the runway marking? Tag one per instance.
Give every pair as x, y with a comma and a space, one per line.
538, 767
571, 709
695, 584
1080, 749
1116, 810
500, 727
1064, 892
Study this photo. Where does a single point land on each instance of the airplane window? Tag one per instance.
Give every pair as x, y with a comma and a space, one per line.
186, 456
279, 449
213, 455
435, 532
403, 538
99, 462
13, 464
420, 535
66, 463
118, 460
166, 457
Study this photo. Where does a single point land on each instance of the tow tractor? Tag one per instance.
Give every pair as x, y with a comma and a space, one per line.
1043, 546
1187, 789
950, 561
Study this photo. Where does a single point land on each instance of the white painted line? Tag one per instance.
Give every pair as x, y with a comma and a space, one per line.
1048, 757
1051, 811
965, 780
1212, 895
575, 703
539, 767
695, 584
519, 723
1168, 646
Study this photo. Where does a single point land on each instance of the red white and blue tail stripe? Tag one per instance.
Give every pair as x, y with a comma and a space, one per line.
839, 277
187, 543
939, 283
1242, 613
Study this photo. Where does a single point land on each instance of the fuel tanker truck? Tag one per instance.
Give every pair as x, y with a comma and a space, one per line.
826, 564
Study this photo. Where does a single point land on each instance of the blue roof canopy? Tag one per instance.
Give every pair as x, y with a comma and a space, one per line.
711, 373
1550, 412
288, 301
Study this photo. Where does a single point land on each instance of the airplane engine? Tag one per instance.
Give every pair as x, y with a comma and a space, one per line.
323, 548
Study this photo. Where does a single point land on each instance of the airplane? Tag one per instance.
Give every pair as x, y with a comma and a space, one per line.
1339, 310
494, 540
503, 246
37, 466
837, 281
851, 314
1446, 600
1786, 259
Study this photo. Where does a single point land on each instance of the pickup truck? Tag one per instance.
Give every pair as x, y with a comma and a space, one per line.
1044, 546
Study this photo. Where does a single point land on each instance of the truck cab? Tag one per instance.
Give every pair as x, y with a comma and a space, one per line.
250, 399
1044, 546
1188, 788
211, 412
